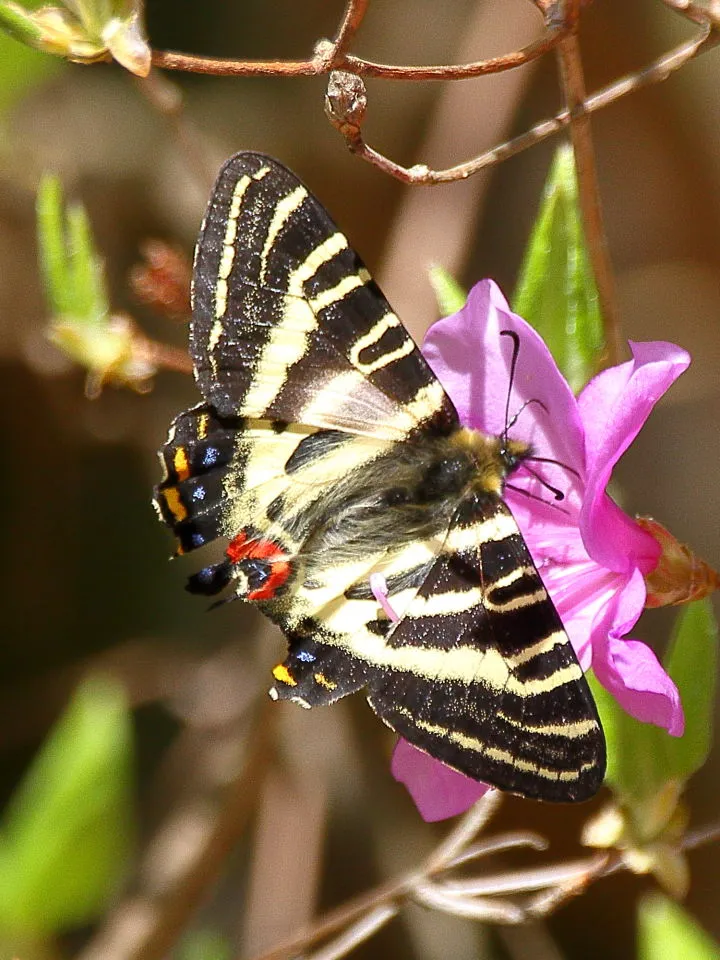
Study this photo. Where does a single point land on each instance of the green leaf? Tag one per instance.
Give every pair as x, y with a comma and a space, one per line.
21, 68
18, 23
449, 294
67, 832
642, 758
72, 270
635, 757
692, 663
556, 291
204, 945
667, 932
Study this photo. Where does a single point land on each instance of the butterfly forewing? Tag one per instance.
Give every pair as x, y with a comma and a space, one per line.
490, 683
327, 452
281, 302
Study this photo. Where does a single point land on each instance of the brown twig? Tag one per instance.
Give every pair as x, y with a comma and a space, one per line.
353, 17
694, 11
556, 885
573, 83
332, 56
657, 71
161, 356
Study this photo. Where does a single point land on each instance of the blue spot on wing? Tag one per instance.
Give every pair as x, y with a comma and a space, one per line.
210, 456
199, 493
306, 657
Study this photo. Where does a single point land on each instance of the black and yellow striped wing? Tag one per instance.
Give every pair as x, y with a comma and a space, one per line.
282, 302
496, 688
326, 452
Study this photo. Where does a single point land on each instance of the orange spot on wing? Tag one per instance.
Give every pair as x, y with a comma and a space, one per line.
324, 682
175, 505
281, 673
180, 462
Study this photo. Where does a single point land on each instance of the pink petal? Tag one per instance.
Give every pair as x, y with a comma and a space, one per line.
613, 407
632, 673
472, 361
628, 668
438, 791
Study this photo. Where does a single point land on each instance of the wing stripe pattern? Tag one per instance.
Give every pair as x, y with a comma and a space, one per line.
522, 688
280, 299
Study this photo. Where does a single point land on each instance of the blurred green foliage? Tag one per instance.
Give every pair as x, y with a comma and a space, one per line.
667, 932
204, 945
449, 295
556, 291
67, 832
21, 68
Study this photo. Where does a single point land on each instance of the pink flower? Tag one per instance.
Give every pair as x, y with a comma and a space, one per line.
592, 556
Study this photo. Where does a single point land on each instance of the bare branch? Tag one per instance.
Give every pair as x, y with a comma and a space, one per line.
657, 71
694, 12
331, 56
354, 14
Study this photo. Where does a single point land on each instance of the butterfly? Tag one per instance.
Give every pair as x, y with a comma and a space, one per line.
326, 454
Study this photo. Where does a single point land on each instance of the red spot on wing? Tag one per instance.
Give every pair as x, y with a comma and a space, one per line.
242, 548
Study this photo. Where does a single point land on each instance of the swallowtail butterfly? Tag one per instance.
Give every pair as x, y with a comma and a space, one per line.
325, 451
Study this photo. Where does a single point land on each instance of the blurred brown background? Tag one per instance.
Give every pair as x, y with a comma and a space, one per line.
84, 562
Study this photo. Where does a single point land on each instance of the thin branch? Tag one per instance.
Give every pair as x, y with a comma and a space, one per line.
329, 57
469, 826
459, 71
556, 884
657, 71
573, 84
358, 933
161, 356
694, 12
354, 14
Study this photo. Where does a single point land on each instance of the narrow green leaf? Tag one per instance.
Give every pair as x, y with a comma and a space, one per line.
51, 245
67, 831
449, 294
667, 932
86, 268
72, 269
556, 291
18, 24
692, 663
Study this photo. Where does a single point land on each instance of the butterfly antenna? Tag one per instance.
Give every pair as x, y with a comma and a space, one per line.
534, 496
513, 366
558, 494
557, 463
527, 403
